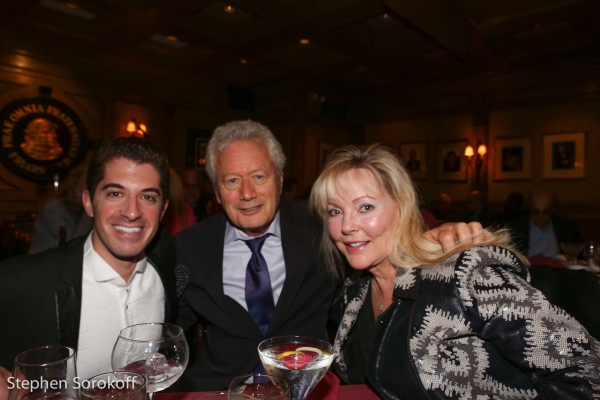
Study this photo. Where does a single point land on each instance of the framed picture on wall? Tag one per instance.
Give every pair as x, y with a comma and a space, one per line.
414, 157
564, 155
196, 142
325, 150
512, 159
451, 163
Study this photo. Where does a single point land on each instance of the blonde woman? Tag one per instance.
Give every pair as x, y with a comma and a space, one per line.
424, 323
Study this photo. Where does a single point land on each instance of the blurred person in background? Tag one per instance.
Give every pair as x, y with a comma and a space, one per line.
202, 203
179, 214
513, 208
62, 218
442, 209
475, 210
542, 231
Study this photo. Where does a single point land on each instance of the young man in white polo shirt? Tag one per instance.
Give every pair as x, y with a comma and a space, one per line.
123, 273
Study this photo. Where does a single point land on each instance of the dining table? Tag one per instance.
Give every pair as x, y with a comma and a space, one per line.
328, 389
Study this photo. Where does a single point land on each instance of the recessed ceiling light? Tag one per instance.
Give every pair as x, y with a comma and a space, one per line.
229, 9
68, 8
171, 41
243, 61
385, 16
304, 41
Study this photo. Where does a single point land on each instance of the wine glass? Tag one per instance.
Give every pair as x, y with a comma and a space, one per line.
302, 361
114, 386
259, 386
47, 372
571, 251
158, 351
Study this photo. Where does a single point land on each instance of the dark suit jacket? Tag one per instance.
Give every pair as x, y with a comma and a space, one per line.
40, 295
232, 336
565, 231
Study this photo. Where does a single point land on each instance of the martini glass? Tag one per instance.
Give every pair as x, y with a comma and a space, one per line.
301, 360
158, 351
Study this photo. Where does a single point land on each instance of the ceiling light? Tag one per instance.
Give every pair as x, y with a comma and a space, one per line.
385, 16
171, 41
229, 9
244, 61
304, 41
68, 8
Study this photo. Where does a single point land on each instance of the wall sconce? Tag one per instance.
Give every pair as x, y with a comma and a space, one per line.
481, 151
135, 129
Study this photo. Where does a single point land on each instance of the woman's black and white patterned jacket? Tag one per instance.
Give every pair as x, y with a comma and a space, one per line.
475, 330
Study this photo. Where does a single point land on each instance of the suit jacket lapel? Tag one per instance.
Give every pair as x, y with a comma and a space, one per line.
68, 300
297, 252
211, 247
161, 254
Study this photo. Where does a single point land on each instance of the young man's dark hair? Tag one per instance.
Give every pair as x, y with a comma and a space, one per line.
141, 151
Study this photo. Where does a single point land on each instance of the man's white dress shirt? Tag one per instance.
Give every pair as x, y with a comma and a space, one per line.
109, 304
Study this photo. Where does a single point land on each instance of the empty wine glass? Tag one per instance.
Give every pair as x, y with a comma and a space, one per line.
158, 351
47, 372
259, 386
114, 386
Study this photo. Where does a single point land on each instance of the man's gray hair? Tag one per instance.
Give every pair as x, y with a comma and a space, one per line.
236, 131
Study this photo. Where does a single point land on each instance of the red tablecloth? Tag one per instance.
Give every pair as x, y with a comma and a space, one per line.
328, 389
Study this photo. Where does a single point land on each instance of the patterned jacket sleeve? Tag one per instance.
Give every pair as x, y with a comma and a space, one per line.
560, 357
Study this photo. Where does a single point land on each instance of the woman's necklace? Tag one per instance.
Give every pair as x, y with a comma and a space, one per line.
382, 303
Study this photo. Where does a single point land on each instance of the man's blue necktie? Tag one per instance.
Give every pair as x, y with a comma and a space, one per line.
259, 294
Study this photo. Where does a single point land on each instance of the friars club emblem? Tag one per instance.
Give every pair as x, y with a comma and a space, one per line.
41, 137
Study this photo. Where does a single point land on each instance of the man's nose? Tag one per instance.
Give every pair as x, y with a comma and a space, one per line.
131, 209
247, 190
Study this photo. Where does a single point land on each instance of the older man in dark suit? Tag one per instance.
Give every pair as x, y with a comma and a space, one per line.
254, 270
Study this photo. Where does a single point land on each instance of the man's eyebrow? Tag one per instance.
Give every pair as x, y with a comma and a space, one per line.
151, 190
112, 186
117, 186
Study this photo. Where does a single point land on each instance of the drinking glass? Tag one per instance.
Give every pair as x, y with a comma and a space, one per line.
300, 360
47, 372
259, 386
158, 351
114, 386
571, 251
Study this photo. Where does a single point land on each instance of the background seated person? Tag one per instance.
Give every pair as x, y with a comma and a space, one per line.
542, 231
475, 210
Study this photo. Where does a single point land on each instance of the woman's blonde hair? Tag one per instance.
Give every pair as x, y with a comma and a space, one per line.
409, 248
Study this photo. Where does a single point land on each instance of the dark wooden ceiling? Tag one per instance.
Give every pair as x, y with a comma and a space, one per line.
356, 46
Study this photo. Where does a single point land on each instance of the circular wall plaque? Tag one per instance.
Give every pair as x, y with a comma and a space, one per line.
41, 137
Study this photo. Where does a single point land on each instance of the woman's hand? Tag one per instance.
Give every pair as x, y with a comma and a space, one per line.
449, 234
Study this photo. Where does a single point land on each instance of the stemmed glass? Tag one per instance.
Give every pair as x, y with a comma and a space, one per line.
158, 351
47, 372
302, 361
259, 386
571, 251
